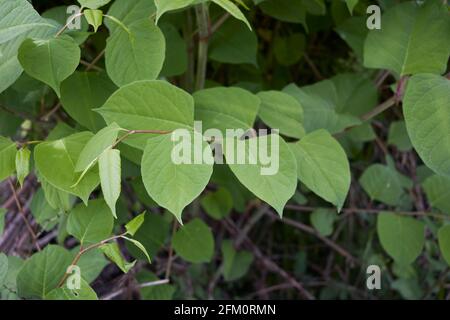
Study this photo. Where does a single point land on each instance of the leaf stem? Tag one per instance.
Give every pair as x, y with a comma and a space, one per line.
69, 22
202, 14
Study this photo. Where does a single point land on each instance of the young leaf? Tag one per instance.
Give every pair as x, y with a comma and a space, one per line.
351, 4
94, 18
413, 39
218, 204
109, 165
93, 4
140, 246
323, 167
8, 152
402, 237
194, 242
233, 10
235, 263
273, 179
163, 6
55, 161
22, 164
173, 186
43, 271
136, 53
226, 108
444, 242
103, 140
426, 114
149, 105
64, 293
112, 251
323, 220
50, 61
90, 224
133, 226
84, 91
281, 111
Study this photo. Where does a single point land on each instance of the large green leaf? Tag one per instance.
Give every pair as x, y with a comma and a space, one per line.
55, 161
18, 20
444, 242
413, 39
229, 6
176, 60
3, 268
402, 237
109, 165
163, 6
427, 114
101, 141
44, 214
91, 263
149, 105
84, 91
194, 242
136, 53
226, 108
50, 61
283, 112
90, 224
271, 178
43, 271
8, 150
384, 184
173, 186
235, 263
323, 167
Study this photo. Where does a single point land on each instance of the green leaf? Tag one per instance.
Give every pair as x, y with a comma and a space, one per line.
84, 293
285, 10
273, 179
149, 105
99, 143
444, 242
90, 224
56, 198
233, 10
151, 235
290, 49
140, 246
44, 214
91, 263
2, 220
160, 292
437, 189
281, 111
109, 165
22, 164
426, 114
8, 152
413, 39
14, 28
384, 184
218, 204
323, 220
129, 11
136, 53
3, 267
94, 18
173, 186
133, 226
9, 287
112, 251
226, 108
323, 167
93, 4
194, 242
235, 263
398, 136
43, 271
55, 161
176, 60
163, 6
351, 4
84, 91
234, 43
354, 32
50, 61
402, 237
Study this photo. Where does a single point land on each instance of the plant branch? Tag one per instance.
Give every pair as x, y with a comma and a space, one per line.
202, 14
